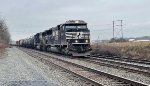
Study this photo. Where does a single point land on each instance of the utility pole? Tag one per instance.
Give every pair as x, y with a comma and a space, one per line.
121, 27
113, 29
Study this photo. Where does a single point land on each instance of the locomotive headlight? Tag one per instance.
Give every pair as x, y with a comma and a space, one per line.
76, 41
86, 41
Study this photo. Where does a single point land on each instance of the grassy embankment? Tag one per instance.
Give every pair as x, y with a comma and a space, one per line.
135, 50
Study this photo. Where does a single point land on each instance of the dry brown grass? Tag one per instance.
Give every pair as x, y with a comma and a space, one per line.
138, 50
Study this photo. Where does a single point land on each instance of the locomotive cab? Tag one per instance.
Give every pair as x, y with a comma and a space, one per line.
77, 37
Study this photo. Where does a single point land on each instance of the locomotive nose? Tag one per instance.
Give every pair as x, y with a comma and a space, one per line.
80, 49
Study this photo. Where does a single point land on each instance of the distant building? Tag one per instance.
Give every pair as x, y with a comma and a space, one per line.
134, 40
131, 40
142, 41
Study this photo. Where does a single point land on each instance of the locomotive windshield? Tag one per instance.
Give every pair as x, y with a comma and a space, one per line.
76, 28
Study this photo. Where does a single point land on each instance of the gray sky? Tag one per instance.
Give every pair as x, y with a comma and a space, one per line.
27, 17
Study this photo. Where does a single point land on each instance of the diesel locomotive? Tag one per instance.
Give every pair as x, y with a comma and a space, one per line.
69, 38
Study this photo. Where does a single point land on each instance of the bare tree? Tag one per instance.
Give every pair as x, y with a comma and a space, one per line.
4, 33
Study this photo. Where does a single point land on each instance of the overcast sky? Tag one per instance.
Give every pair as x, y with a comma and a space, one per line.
27, 17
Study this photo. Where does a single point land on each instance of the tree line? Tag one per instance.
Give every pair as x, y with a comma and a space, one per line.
4, 33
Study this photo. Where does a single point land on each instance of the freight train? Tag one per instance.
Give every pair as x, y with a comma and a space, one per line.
69, 38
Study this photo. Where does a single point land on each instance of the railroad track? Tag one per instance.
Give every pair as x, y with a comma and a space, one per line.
92, 76
140, 61
131, 66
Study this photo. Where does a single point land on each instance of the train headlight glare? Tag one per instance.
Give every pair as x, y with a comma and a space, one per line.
86, 41
76, 41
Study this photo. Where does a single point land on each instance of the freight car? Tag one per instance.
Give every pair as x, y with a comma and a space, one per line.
70, 38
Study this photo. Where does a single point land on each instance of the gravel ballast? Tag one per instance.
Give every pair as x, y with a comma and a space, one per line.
19, 69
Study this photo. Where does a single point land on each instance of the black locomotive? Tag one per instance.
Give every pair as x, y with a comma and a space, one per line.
70, 38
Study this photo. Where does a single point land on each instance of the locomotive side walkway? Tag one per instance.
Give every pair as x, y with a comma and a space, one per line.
19, 69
